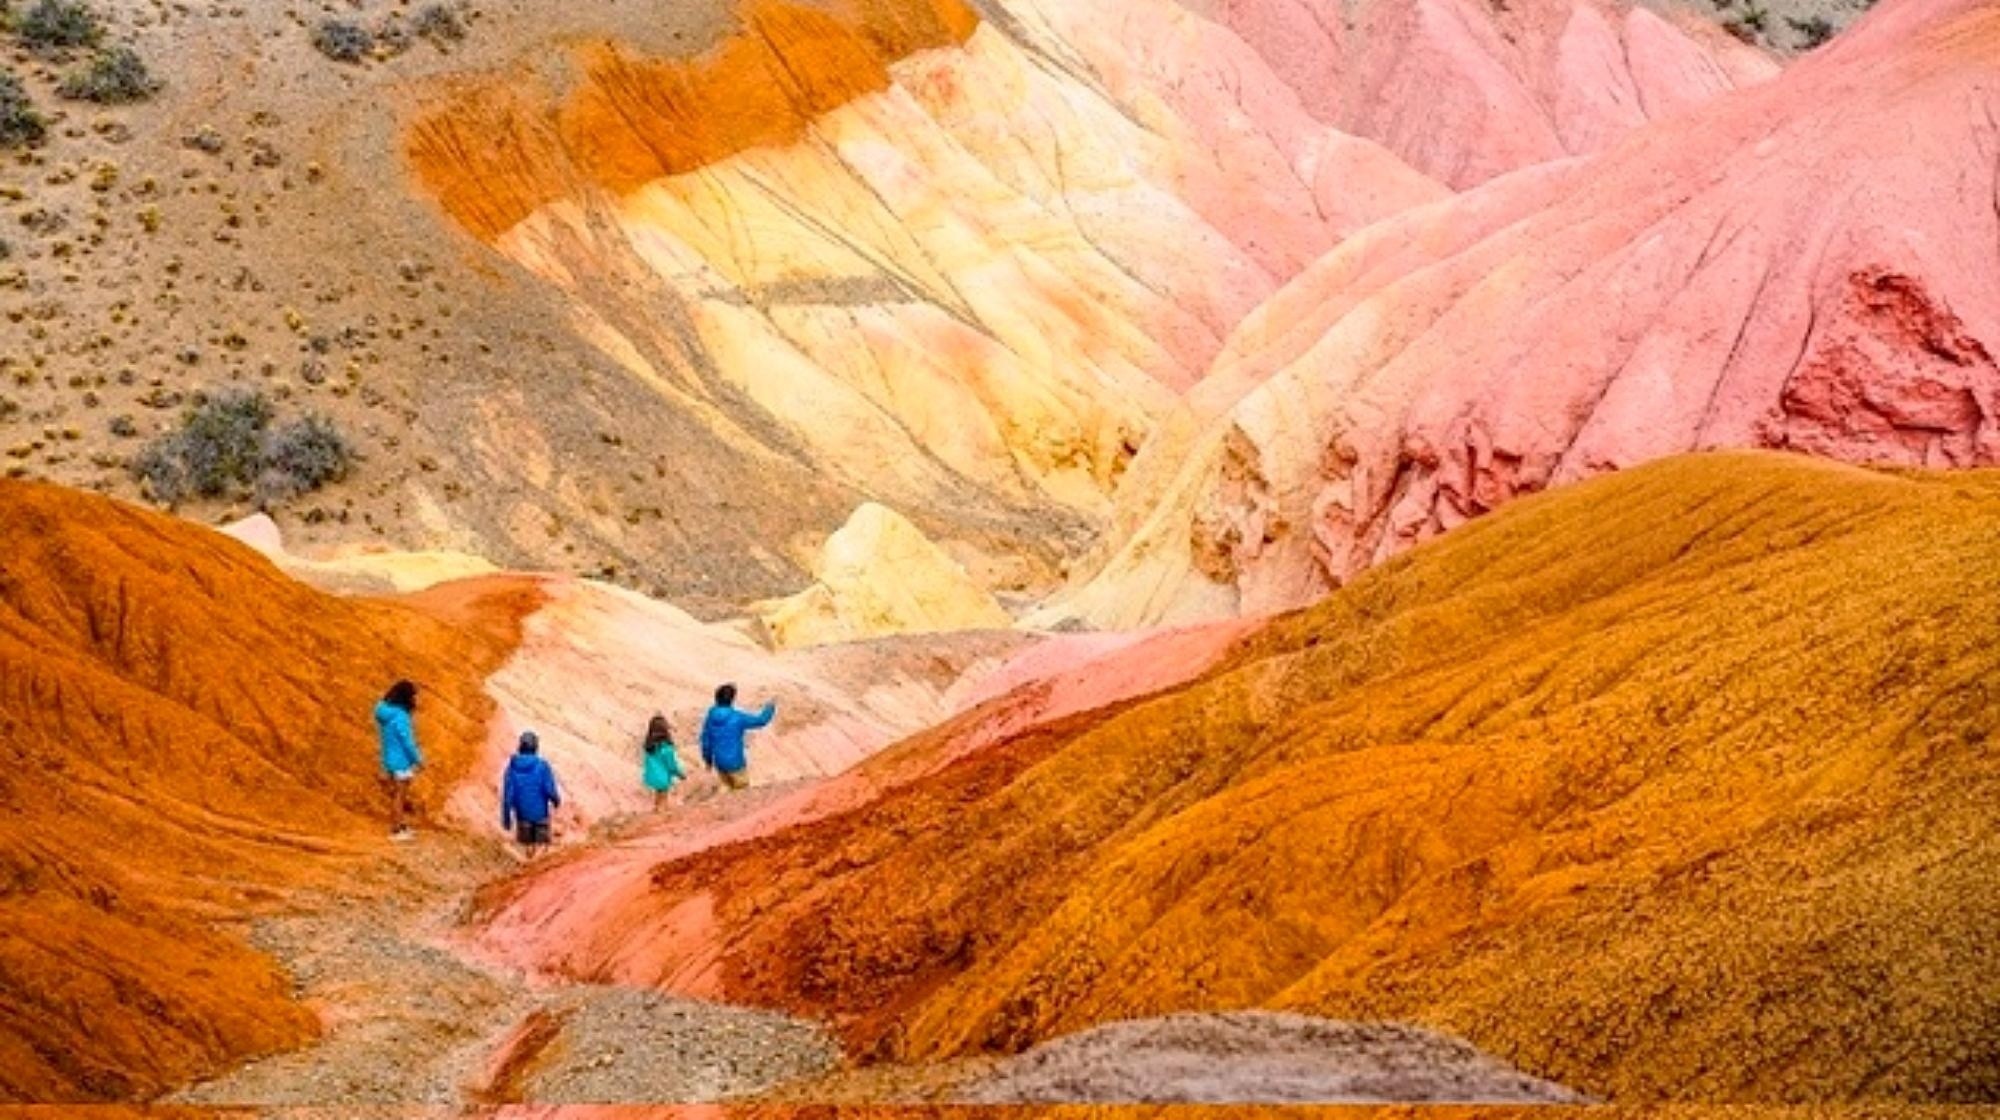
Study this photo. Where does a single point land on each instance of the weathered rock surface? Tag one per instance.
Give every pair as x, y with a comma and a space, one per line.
595, 663
1624, 784
187, 737
1465, 91
1678, 292
879, 576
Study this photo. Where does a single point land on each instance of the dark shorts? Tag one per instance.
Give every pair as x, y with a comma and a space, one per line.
532, 832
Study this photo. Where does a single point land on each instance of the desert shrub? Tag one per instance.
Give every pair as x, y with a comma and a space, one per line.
20, 123
439, 22
301, 457
114, 77
392, 38
217, 450
1813, 31
56, 24
343, 40
226, 446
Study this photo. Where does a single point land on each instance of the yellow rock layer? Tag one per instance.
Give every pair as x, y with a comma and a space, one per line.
878, 576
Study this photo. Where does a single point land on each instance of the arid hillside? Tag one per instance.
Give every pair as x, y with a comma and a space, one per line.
187, 738
1675, 784
665, 298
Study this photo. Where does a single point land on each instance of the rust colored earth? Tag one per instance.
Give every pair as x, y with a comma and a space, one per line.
497, 148
1671, 784
186, 737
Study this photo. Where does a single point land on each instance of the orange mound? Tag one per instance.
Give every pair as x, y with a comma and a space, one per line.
187, 735
494, 150
1676, 783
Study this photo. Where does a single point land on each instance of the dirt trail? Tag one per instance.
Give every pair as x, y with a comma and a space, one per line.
412, 1018
415, 1017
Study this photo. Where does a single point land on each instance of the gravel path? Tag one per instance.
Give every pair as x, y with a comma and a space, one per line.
412, 1022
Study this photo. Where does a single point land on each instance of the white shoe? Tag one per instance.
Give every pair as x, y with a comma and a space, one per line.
403, 835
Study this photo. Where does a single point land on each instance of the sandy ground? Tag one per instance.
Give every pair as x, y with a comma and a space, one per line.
1256, 1057
411, 1021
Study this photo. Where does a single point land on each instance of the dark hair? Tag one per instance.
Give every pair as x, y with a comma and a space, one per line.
657, 732
725, 696
530, 743
402, 694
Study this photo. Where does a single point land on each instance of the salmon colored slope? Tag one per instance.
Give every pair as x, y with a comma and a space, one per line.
187, 736
1810, 264
597, 915
1466, 90
1673, 784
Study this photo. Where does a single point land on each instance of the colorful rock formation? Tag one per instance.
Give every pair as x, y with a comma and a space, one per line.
879, 576
188, 737
960, 266
1768, 270
1669, 784
1465, 91
595, 663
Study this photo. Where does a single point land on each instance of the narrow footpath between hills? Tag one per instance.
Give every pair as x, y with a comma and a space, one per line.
414, 1017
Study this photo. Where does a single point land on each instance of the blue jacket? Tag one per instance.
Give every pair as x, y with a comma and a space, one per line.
528, 792
399, 739
722, 736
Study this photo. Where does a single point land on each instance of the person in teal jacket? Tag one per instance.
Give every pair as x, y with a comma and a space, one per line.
722, 736
401, 759
663, 763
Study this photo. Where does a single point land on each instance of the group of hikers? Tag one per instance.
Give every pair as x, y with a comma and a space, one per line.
529, 794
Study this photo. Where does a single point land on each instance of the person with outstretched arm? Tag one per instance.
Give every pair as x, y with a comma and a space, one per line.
395, 722
527, 795
722, 737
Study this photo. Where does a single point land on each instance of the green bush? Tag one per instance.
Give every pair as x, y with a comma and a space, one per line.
217, 449
114, 77
301, 457
226, 447
343, 40
20, 123
56, 24
439, 22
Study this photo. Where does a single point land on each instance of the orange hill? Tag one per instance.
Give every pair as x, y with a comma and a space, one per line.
1677, 783
186, 734
494, 149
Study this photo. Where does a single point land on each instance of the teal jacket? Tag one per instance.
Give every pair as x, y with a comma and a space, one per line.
663, 768
399, 739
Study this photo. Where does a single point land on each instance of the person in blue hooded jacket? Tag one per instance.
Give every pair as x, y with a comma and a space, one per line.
528, 793
394, 721
722, 736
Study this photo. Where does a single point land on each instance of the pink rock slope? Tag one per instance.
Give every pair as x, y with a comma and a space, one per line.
596, 662
595, 915
1465, 90
1812, 264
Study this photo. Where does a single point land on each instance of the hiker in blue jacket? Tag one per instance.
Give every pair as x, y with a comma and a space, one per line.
528, 793
722, 736
400, 757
